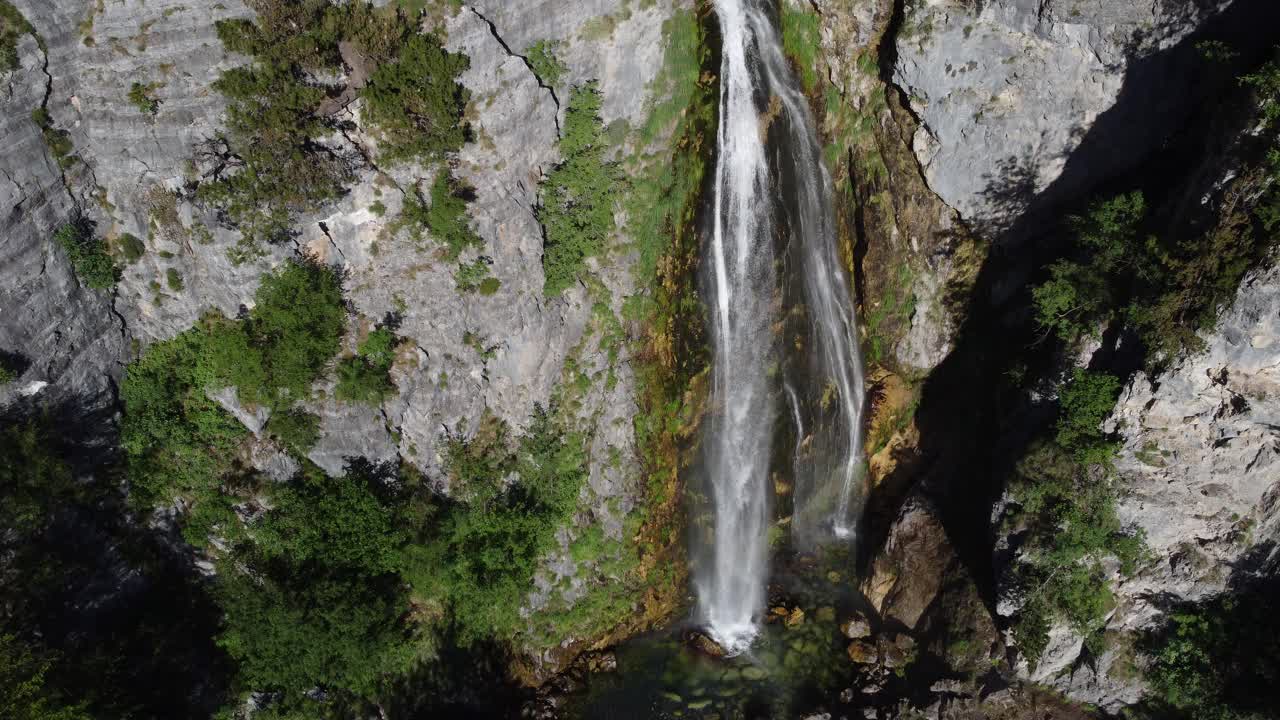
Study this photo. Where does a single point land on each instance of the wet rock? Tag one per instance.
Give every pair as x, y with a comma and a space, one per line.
603, 661
703, 643
897, 650
862, 652
753, 673
777, 613
856, 628
846, 695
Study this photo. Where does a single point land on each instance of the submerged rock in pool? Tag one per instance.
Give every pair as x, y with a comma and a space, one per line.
796, 617
856, 628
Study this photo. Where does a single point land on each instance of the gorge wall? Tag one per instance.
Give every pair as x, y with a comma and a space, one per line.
960, 135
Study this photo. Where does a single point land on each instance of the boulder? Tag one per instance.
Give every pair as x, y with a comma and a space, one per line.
862, 652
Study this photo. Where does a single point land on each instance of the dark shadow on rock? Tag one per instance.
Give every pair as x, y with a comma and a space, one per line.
461, 681
975, 416
115, 598
1223, 655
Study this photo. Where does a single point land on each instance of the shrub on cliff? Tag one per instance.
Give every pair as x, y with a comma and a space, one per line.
181, 443
273, 162
364, 378
12, 27
481, 558
88, 255
1066, 503
415, 102
578, 196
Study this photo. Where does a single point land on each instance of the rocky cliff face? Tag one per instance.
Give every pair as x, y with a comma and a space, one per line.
65, 337
134, 172
1026, 103
1014, 110
1199, 475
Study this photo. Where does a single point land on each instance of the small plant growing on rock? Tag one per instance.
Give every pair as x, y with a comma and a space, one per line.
143, 97
542, 59
88, 255
364, 378
131, 247
12, 26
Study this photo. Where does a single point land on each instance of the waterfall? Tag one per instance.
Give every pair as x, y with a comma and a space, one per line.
763, 215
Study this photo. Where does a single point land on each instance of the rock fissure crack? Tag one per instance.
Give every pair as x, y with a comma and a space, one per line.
493, 30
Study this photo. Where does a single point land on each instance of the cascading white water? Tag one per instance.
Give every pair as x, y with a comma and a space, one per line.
757, 86
731, 590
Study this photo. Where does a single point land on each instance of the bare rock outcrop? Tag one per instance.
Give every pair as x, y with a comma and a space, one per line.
1026, 102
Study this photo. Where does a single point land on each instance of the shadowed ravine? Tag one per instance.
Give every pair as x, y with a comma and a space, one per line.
767, 141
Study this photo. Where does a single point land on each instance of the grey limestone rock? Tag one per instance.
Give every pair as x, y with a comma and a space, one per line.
67, 333
1199, 476
1008, 90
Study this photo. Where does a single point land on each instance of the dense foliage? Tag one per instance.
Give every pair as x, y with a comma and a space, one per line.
416, 103
69, 648
273, 161
1127, 270
1170, 287
579, 196
1066, 502
1218, 661
364, 378
483, 555
178, 440
88, 254
315, 600
445, 217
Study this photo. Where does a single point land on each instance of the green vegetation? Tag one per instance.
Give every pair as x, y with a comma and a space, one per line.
58, 141
142, 96
67, 651
1079, 296
9, 368
1217, 661
1168, 288
895, 309
131, 248
416, 103
1064, 492
24, 691
274, 163
541, 57
482, 561
12, 27
445, 218
365, 377
801, 41
87, 254
180, 443
319, 603
579, 196
474, 277
297, 429
173, 279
